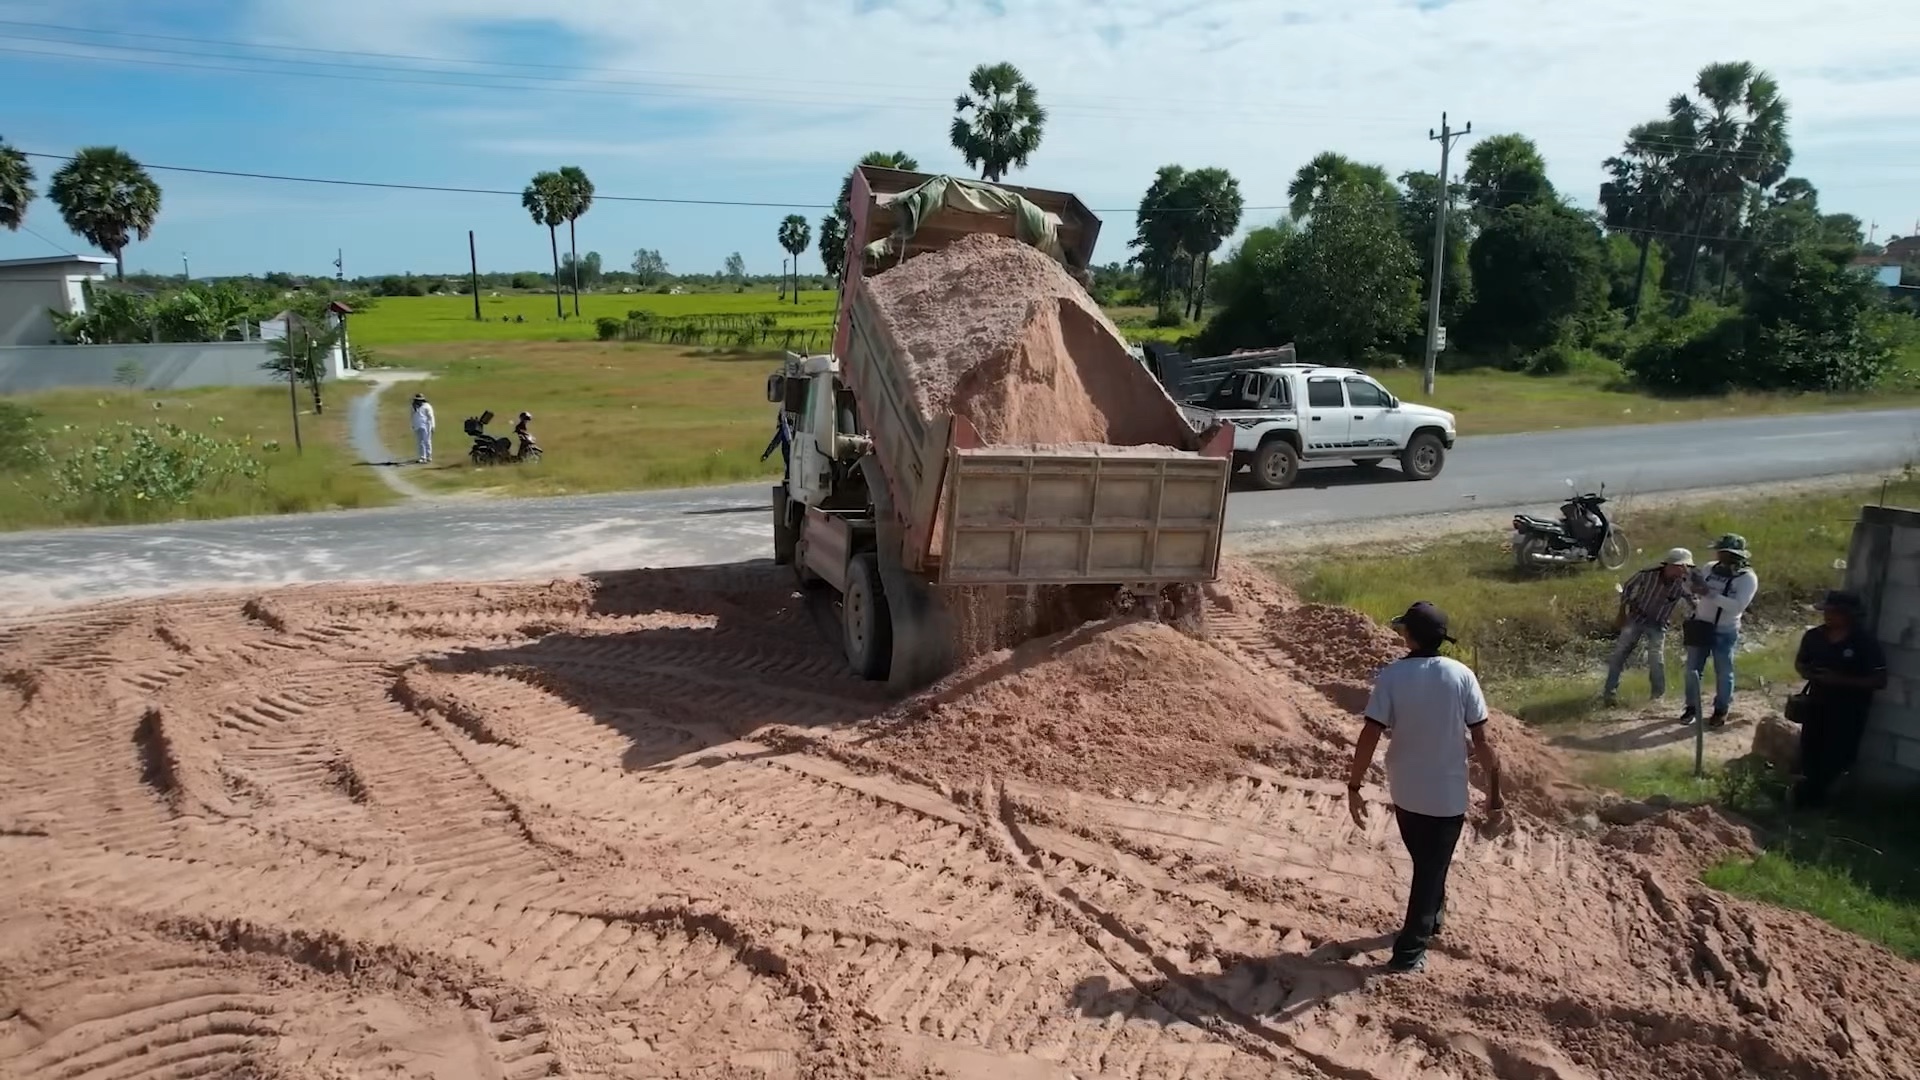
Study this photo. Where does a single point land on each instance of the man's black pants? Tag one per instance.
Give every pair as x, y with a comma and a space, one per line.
1430, 841
1829, 742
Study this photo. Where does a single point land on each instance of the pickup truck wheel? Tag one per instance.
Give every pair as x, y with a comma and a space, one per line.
1276, 465
865, 620
1423, 458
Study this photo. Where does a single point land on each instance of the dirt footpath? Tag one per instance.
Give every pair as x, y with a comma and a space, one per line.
645, 826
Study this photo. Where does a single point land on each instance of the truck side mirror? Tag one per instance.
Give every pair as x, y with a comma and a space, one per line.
776, 388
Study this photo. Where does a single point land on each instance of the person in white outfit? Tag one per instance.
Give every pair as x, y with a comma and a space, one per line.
1720, 597
422, 429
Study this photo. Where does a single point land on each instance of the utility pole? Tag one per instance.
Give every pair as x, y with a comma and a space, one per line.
1446, 137
186, 275
339, 264
473, 271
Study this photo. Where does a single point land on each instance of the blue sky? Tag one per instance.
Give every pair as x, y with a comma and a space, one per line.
769, 100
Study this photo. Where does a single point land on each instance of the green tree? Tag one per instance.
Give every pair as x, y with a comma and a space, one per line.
736, 268
1159, 235
548, 198
1814, 323
794, 237
1216, 206
1536, 269
1419, 204
1326, 172
998, 121
1248, 316
105, 196
16, 187
1732, 134
649, 267
833, 245
1625, 270
579, 201
1503, 171
1642, 194
1349, 281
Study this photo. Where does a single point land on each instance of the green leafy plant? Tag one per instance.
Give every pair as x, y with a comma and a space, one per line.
128, 373
133, 472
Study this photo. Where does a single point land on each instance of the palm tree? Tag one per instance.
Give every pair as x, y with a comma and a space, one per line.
833, 244
1325, 172
997, 123
549, 198
16, 187
1638, 196
1733, 136
105, 196
794, 236
1505, 170
885, 159
1217, 204
581, 190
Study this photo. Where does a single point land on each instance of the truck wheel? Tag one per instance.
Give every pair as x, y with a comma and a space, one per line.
1423, 457
784, 539
1276, 465
864, 619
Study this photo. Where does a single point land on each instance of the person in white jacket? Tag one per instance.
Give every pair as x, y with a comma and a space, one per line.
1720, 597
422, 429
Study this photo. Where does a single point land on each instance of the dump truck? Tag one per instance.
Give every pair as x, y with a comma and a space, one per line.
896, 510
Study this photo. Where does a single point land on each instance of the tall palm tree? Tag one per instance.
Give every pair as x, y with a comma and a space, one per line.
885, 159
16, 187
105, 196
1325, 172
997, 122
1217, 205
794, 236
1734, 135
581, 191
549, 198
833, 244
1639, 194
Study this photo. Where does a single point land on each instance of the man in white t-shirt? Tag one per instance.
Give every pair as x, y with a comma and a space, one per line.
1430, 708
422, 429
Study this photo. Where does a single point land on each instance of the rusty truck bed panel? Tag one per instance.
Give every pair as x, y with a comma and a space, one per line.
1049, 516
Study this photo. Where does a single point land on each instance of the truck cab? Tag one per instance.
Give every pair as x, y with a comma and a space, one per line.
1290, 413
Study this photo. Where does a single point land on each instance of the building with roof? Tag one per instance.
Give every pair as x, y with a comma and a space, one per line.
31, 288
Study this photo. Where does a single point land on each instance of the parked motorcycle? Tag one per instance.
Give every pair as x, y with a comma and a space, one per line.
494, 450
1584, 533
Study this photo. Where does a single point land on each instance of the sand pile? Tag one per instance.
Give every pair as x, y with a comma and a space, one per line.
1001, 334
1115, 706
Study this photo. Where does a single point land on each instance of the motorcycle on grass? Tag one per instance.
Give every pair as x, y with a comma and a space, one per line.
1585, 533
494, 450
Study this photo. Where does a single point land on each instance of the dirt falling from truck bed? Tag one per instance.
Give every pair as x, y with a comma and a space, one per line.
645, 825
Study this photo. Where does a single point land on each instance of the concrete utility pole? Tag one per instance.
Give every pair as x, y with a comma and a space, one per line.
473, 272
1445, 137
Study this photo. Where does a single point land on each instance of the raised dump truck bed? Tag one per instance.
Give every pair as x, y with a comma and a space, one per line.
892, 494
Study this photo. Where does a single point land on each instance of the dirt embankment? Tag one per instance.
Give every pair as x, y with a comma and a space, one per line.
647, 826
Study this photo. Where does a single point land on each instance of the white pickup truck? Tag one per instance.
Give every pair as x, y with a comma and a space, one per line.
1293, 412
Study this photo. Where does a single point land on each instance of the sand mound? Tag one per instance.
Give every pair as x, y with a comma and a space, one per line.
1687, 838
1001, 334
1114, 706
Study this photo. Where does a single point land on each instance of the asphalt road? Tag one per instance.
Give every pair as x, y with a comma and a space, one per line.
534, 538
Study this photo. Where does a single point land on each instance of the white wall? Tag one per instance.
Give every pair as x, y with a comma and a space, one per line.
1883, 566
28, 369
25, 296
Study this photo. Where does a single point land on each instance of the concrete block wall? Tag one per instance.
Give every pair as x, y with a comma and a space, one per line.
1883, 566
28, 369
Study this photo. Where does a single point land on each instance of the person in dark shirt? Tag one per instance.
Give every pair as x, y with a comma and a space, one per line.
523, 427
1844, 667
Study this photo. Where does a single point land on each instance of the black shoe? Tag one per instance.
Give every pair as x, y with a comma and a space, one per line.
1408, 964
1608, 701
1717, 720
1691, 716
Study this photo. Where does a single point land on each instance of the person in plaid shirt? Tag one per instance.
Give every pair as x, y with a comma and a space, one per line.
1647, 601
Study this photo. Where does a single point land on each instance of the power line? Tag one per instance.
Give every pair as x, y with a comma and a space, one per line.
54, 244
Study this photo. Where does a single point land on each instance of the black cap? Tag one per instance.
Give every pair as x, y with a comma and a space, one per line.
1842, 600
1425, 622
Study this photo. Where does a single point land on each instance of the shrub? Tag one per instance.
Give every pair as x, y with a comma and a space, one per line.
134, 471
608, 328
1699, 352
20, 443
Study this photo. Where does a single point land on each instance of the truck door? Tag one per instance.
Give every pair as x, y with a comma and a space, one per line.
1327, 422
813, 442
1369, 423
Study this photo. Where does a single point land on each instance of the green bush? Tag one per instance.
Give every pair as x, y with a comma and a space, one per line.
132, 472
20, 442
1699, 352
607, 327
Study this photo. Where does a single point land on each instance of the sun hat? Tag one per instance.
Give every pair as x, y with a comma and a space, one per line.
1425, 622
1678, 557
1734, 543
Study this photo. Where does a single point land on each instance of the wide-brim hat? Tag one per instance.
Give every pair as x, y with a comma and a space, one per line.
1733, 542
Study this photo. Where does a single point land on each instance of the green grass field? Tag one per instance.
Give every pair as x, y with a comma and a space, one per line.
611, 417
322, 477
1539, 638
412, 320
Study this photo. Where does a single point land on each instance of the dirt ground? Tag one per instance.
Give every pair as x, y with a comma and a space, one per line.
644, 825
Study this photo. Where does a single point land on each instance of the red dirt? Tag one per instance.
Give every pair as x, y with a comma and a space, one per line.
648, 826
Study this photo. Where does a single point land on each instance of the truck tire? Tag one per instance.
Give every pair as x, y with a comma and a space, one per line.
1424, 457
784, 538
864, 619
1276, 465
